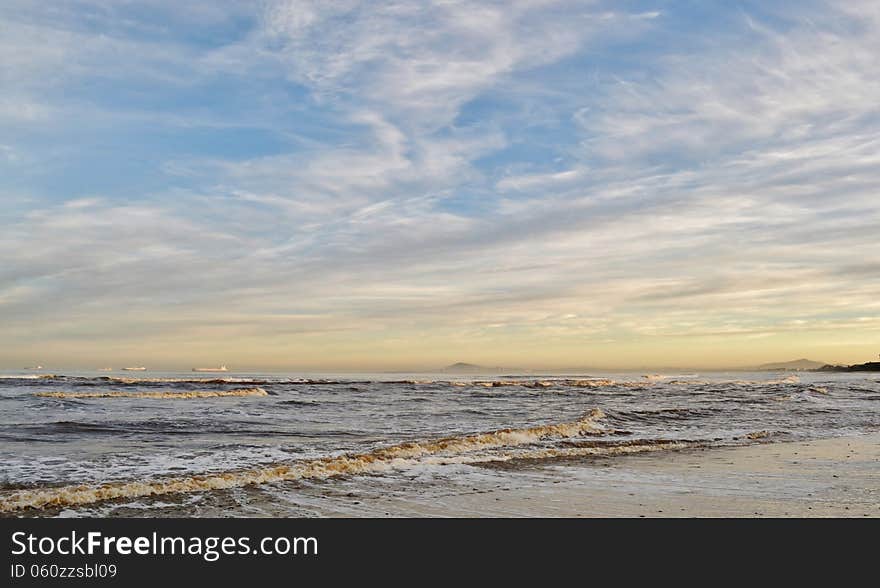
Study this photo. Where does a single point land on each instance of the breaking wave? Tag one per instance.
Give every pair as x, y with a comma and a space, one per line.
173, 395
369, 463
447, 450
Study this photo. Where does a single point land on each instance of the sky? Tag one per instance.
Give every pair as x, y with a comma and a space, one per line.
324, 185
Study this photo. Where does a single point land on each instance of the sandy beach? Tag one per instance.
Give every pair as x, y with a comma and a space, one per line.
827, 478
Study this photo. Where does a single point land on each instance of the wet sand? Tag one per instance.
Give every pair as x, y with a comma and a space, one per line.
827, 478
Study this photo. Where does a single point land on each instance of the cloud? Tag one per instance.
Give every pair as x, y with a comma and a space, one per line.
542, 180
421, 60
804, 84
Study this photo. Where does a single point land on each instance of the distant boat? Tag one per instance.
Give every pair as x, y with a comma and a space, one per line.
34, 367
222, 368
134, 369
105, 369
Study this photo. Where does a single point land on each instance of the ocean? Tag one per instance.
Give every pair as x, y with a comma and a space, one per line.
152, 444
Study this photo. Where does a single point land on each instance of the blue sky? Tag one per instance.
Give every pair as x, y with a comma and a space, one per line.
405, 184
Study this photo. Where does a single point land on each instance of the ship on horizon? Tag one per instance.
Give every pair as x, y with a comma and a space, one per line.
134, 369
222, 368
34, 367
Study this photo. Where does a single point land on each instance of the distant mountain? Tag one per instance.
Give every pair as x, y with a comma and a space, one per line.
470, 368
796, 365
871, 366
464, 367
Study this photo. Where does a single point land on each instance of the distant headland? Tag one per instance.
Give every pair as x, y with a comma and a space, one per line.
807, 365
871, 366
797, 365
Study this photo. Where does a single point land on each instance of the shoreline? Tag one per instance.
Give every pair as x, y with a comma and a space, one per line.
835, 477
832, 477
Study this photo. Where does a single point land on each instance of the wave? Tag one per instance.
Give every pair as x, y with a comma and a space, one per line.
664, 414
747, 383
803, 394
254, 381
297, 402
571, 450
528, 383
591, 383
645, 381
786, 380
71, 496
173, 395
29, 377
158, 427
119, 380
395, 456
146, 381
